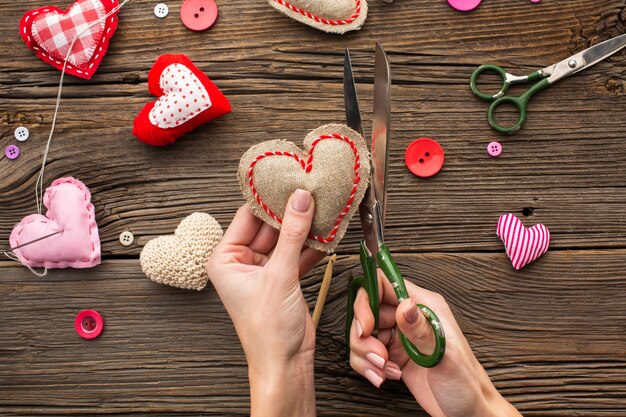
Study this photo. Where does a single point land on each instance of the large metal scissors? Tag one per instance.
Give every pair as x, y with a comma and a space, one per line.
544, 77
373, 250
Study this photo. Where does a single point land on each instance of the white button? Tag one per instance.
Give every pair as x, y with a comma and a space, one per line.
161, 10
21, 133
127, 238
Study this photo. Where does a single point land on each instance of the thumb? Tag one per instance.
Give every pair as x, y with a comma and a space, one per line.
293, 232
414, 325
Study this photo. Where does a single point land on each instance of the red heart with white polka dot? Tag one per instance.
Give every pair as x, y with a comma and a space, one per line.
186, 100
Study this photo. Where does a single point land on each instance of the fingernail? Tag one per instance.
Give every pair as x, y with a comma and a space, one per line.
301, 201
375, 359
359, 329
374, 377
411, 315
393, 371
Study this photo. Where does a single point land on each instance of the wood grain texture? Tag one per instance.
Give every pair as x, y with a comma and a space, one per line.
549, 347
551, 336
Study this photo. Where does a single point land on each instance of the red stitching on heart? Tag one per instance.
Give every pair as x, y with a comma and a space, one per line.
321, 19
307, 166
25, 29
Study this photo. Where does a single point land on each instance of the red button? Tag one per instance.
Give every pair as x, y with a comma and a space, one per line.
89, 324
424, 157
198, 15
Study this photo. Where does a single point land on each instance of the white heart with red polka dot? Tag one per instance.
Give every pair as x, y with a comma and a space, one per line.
184, 97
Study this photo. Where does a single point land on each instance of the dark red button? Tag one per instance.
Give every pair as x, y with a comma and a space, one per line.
89, 324
424, 157
198, 15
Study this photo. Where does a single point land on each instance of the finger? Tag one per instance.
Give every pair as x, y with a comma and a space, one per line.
386, 316
389, 296
363, 316
368, 357
368, 347
415, 326
293, 232
386, 336
243, 228
309, 257
365, 368
260, 259
265, 239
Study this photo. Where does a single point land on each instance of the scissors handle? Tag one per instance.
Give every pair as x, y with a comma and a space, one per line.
507, 81
370, 282
391, 271
521, 102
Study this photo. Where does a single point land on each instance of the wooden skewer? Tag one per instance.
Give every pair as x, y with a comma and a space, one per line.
321, 298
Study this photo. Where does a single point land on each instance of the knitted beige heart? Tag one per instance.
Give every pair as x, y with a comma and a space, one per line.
333, 16
334, 168
178, 260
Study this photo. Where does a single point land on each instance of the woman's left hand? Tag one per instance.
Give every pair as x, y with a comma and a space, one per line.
255, 270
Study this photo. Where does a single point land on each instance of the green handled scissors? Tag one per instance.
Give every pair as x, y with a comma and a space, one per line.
374, 252
544, 77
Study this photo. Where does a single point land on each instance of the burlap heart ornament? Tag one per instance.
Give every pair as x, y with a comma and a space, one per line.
334, 167
333, 16
178, 260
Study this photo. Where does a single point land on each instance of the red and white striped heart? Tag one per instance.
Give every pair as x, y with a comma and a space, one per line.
523, 245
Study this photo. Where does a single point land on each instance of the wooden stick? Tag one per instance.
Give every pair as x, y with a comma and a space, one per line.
321, 298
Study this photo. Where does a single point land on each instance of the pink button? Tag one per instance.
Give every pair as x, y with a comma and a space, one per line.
464, 5
89, 324
494, 149
12, 151
198, 15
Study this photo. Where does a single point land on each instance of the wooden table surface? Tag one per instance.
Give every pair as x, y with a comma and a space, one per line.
552, 336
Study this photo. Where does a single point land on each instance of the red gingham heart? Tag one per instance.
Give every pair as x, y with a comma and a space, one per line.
522, 245
49, 32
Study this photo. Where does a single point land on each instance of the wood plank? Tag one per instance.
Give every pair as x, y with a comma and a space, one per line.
552, 337
570, 180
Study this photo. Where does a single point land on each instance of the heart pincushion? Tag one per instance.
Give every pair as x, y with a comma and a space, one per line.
49, 32
70, 224
334, 167
333, 16
523, 245
178, 260
186, 99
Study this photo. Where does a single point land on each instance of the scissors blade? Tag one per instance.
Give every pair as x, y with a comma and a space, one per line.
369, 207
603, 50
351, 100
380, 130
585, 59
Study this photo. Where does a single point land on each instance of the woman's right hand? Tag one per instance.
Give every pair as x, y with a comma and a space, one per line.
457, 387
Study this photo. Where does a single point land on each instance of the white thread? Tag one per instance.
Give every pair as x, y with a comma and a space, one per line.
39, 183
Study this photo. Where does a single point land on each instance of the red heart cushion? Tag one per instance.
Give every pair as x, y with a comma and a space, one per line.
50, 31
186, 99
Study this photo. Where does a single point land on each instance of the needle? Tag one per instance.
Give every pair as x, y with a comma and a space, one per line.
34, 241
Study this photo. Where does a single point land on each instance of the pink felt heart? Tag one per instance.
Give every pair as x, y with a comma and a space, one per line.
522, 245
70, 212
